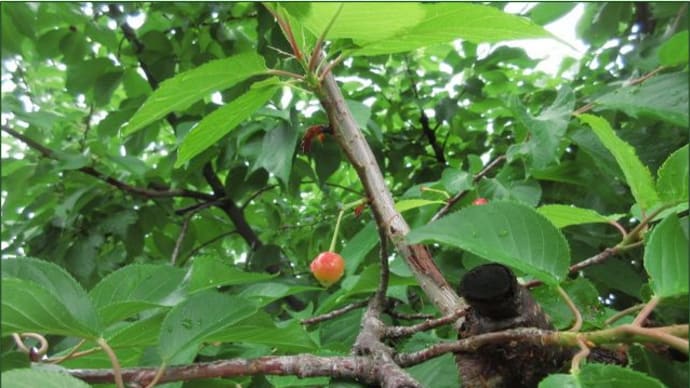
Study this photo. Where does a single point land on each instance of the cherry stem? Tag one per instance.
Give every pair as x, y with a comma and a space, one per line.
337, 229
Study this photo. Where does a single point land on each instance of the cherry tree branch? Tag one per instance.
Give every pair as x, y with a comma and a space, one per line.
360, 155
367, 369
140, 191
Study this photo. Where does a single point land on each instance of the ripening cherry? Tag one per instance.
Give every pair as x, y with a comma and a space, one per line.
328, 268
480, 201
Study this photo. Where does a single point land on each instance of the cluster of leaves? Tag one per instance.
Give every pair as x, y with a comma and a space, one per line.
159, 168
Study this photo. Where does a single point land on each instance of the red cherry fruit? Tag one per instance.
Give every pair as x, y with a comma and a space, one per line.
328, 268
480, 201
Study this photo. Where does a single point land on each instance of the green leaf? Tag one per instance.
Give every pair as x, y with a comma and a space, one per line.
359, 246
637, 175
28, 307
664, 97
224, 119
546, 130
204, 315
440, 372
135, 288
545, 13
564, 215
408, 204
209, 272
267, 292
560, 381
408, 26
481, 24
277, 152
56, 281
666, 258
674, 51
583, 294
601, 375
141, 333
672, 177
527, 191
670, 372
507, 233
613, 376
260, 329
357, 20
455, 180
182, 90
25, 378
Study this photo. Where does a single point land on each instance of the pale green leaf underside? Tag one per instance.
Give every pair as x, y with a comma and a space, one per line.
664, 97
563, 215
407, 204
184, 89
672, 179
224, 119
601, 375
666, 258
383, 28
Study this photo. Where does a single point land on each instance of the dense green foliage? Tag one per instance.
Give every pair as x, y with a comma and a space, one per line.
156, 194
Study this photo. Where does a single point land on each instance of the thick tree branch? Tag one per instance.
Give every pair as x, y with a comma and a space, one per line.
359, 368
362, 158
365, 369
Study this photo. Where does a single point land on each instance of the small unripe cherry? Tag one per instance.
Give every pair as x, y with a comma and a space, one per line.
480, 201
328, 268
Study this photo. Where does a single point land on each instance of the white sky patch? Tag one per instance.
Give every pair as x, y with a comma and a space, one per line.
551, 51
136, 21
286, 98
217, 98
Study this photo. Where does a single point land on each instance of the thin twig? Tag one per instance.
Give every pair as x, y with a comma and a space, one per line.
157, 377
393, 332
330, 66
449, 204
180, 238
285, 73
408, 317
577, 325
199, 206
256, 194
287, 31
587, 107
207, 243
117, 370
334, 313
646, 311
623, 313
579, 356
319, 42
69, 354
42, 350
145, 192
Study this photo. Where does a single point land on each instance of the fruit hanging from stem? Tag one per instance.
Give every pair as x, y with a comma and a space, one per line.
328, 268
